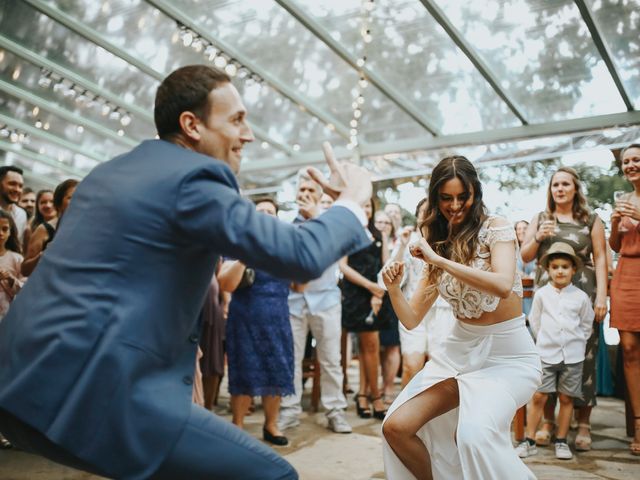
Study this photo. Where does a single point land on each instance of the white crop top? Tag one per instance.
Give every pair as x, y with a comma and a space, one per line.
466, 301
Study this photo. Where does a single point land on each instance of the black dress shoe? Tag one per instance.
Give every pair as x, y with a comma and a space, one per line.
279, 440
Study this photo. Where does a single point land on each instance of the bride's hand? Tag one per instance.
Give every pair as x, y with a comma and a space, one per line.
392, 274
422, 250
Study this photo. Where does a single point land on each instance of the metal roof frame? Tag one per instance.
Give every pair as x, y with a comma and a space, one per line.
43, 159
42, 62
482, 137
293, 158
388, 90
69, 116
309, 106
94, 37
474, 57
36, 132
603, 49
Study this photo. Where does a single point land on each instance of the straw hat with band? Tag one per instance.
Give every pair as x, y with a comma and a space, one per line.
560, 248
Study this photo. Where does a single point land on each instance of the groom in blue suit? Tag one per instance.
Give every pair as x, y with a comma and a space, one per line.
97, 352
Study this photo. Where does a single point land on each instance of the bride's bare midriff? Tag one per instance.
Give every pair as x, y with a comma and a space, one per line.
508, 308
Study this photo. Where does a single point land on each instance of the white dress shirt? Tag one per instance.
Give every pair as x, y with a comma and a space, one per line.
561, 320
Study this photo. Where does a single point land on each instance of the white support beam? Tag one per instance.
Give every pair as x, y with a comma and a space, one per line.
549, 129
326, 117
604, 50
473, 56
99, 40
385, 87
71, 117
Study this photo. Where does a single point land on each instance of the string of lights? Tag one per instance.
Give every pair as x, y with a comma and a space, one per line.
83, 97
358, 100
220, 59
14, 135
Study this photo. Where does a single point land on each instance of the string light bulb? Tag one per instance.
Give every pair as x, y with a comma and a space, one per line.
356, 105
83, 97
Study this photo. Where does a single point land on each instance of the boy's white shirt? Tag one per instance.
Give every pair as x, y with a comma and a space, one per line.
562, 321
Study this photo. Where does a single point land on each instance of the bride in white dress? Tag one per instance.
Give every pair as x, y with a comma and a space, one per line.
452, 420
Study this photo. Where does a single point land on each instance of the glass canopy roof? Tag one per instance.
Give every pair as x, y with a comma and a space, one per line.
501, 81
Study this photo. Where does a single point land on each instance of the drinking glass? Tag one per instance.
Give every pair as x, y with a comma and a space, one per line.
618, 196
548, 217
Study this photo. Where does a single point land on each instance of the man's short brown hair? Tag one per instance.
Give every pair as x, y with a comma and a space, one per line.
185, 89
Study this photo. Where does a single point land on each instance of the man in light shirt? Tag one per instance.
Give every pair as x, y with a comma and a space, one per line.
316, 306
561, 318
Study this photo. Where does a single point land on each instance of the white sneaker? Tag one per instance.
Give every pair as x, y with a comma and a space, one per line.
338, 423
288, 421
563, 452
524, 449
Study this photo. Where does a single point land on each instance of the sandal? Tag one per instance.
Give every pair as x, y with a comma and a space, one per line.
379, 414
634, 447
583, 442
543, 437
363, 412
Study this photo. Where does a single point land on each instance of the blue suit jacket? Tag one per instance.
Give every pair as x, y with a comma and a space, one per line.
98, 349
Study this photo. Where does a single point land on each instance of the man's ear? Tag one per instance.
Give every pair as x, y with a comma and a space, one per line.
190, 125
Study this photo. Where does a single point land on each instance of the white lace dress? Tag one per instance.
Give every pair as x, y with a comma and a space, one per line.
497, 369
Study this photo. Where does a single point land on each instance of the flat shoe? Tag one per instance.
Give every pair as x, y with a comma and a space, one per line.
583, 442
279, 440
543, 437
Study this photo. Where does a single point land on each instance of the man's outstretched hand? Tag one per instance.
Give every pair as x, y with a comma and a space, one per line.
346, 180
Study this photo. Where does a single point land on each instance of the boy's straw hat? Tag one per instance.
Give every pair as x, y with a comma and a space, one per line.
560, 248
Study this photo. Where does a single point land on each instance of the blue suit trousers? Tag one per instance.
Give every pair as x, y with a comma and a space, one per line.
209, 448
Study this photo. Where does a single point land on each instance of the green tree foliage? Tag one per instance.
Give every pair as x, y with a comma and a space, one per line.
600, 185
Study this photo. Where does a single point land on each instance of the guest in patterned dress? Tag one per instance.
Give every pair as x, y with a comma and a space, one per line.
259, 344
625, 301
568, 219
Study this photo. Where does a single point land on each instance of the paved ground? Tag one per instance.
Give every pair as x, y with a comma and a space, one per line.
319, 454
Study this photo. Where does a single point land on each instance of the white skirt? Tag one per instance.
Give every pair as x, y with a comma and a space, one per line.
498, 370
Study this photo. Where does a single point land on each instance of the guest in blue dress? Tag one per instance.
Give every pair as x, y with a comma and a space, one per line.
259, 341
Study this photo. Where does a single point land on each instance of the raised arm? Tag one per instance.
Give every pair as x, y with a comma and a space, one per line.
409, 313
210, 212
34, 250
497, 282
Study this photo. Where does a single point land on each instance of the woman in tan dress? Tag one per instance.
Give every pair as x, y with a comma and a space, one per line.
625, 301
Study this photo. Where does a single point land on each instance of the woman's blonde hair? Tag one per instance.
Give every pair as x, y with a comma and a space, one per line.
460, 246
580, 208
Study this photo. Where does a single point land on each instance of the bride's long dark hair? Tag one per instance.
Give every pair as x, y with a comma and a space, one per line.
459, 246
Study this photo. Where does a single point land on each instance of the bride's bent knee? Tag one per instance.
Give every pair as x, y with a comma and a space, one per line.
393, 429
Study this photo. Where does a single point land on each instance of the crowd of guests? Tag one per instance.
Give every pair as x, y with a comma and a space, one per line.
264, 324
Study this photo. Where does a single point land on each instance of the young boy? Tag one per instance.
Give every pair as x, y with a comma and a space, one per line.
561, 318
